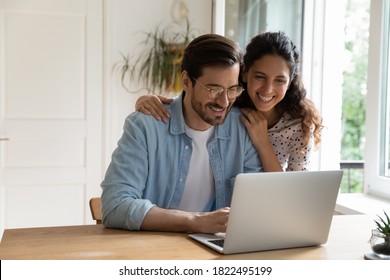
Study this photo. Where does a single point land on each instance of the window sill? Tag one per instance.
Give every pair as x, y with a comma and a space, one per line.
359, 203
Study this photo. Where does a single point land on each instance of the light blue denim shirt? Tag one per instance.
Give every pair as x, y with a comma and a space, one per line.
150, 165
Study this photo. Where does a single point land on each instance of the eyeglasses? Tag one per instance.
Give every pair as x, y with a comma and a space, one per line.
216, 91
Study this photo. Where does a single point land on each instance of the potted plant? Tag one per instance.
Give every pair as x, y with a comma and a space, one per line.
158, 66
380, 239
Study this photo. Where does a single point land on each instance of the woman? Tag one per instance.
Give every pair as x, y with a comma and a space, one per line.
283, 124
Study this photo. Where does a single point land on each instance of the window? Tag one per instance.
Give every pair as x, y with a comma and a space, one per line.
385, 98
353, 120
318, 29
377, 177
245, 19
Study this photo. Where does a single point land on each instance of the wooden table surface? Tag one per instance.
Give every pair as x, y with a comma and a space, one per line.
348, 239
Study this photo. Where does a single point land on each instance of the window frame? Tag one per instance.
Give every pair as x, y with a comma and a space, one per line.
376, 183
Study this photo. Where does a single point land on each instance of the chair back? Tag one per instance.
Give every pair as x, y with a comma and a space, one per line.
95, 204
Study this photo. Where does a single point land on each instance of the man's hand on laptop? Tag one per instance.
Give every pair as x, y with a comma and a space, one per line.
211, 222
160, 219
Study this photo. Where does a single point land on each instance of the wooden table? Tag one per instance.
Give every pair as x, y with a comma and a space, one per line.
348, 239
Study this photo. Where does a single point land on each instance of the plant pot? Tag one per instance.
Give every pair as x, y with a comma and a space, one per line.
380, 244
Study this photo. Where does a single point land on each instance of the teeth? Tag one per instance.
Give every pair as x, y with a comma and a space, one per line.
218, 109
264, 98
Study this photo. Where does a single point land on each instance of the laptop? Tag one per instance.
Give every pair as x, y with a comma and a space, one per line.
277, 210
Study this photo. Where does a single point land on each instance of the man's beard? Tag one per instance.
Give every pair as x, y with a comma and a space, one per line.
201, 110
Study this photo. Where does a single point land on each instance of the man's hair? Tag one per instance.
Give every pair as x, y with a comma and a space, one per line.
210, 50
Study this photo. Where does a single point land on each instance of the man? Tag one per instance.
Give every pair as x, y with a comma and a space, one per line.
179, 176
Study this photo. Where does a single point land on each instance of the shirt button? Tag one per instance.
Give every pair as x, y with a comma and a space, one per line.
186, 147
181, 180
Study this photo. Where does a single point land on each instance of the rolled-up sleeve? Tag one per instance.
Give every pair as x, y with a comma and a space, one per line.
124, 182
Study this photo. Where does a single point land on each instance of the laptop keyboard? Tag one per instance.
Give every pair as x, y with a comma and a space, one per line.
218, 242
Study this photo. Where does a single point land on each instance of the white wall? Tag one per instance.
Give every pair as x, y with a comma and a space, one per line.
124, 20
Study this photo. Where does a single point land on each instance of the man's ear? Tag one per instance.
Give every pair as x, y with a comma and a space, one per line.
185, 80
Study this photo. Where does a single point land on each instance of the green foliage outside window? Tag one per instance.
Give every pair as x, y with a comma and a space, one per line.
354, 91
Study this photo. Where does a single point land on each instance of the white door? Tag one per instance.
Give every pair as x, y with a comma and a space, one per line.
50, 111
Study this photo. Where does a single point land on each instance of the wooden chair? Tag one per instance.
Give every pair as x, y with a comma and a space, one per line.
95, 204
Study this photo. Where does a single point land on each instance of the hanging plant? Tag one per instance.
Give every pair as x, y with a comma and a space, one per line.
158, 66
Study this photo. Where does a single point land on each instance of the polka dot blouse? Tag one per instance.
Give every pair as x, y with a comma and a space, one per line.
287, 140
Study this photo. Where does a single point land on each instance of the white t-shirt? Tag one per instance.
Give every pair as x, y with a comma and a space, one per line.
199, 190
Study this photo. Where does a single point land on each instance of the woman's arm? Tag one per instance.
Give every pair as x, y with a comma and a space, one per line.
154, 105
256, 126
